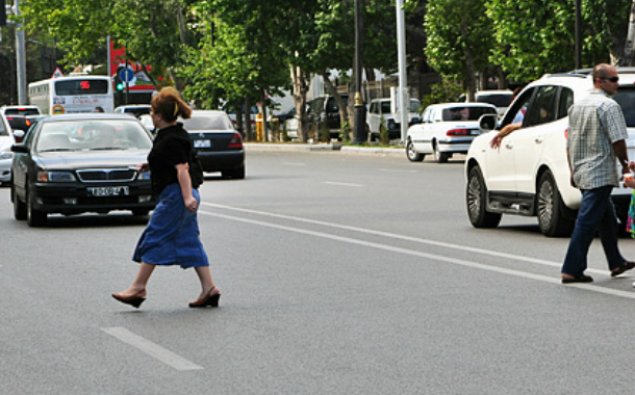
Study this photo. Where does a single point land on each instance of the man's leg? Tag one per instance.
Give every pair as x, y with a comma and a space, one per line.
592, 211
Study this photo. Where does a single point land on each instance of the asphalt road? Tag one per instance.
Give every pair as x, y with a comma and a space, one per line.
341, 273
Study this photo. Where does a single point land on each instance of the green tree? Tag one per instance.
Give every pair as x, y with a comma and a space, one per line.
459, 38
533, 37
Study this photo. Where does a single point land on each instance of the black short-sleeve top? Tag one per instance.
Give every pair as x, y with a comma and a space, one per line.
172, 145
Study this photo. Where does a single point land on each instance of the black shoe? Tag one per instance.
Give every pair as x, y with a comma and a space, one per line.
580, 278
621, 269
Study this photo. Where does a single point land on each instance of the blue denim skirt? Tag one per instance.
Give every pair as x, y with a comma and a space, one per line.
172, 235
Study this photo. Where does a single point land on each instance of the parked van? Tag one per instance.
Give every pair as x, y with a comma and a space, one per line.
324, 110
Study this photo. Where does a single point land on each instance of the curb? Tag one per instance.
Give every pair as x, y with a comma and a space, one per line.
269, 147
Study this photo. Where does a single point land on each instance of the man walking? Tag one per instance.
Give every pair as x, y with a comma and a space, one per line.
597, 134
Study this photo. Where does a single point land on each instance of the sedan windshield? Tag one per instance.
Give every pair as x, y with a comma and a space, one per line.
92, 135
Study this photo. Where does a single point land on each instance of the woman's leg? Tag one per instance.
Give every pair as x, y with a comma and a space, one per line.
207, 282
138, 286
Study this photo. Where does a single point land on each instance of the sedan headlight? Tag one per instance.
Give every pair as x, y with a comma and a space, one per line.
143, 175
4, 155
55, 176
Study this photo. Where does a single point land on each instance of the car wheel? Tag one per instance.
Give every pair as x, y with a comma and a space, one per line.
34, 217
413, 156
554, 218
19, 207
476, 201
439, 157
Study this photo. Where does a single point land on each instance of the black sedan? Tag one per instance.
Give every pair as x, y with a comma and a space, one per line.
77, 163
217, 144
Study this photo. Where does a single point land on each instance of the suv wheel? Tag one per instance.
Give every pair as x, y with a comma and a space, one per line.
413, 156
476, 201
554, 218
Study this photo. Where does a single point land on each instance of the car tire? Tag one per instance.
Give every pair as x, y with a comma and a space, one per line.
34, 218
413, 156
19, 207
439, 157
554, 218
476, 201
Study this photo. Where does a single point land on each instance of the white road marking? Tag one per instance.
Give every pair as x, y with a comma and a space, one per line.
342, 184
399, 237
294, 164
152, 349
385, 247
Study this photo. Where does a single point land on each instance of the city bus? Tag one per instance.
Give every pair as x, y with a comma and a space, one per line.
72, 94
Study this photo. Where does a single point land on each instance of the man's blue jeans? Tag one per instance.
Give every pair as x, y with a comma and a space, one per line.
596, 213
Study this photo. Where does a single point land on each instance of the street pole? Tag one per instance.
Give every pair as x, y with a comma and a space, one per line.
360, 108
404, 102
20, 57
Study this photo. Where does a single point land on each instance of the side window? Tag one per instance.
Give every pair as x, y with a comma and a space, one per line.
385, 107
425, 118
331, 105
517, 110
28, 139
543, 107
565, 102
372, 108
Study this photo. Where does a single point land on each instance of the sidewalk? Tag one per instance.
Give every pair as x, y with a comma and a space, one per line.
322, 147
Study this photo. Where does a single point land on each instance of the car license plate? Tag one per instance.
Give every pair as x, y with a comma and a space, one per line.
108, 191
202, 143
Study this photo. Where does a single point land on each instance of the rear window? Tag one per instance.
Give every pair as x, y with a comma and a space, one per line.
497, 99
21, 111
466, 113
207, 122
626, 98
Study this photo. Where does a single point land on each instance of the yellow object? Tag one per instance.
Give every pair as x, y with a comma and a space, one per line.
260, 128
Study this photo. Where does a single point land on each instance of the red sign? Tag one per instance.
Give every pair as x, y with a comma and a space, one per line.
118, 60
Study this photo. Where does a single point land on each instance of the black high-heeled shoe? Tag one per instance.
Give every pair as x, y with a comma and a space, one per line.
133, 300
211, 299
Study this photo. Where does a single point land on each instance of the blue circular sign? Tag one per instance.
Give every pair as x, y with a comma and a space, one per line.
126, 74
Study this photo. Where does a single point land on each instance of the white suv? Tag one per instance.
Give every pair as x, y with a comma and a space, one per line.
529, 174
380, 108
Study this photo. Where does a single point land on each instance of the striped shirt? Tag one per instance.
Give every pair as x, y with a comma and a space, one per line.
595, 123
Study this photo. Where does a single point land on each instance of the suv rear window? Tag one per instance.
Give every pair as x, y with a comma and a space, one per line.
626, 98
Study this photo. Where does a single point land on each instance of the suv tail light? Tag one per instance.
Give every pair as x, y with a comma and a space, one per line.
457, 132
566, 133
236, 142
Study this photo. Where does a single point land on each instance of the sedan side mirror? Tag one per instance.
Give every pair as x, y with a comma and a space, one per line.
487, 122
20, 148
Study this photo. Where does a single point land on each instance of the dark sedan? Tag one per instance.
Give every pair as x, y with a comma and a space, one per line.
77, 163
218, 145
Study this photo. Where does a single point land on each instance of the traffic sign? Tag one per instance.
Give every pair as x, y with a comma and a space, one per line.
126, 74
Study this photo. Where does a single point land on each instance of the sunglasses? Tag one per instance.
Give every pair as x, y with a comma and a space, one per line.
612, 79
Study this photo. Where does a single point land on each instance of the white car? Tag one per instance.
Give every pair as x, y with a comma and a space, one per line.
133, 109
20, 110
6, 156
500, 98
529, 174
379, 109
446, 129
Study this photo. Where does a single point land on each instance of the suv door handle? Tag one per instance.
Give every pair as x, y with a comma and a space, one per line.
538, 140
509, 146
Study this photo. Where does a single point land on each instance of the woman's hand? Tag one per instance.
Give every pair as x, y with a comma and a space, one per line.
191, 204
